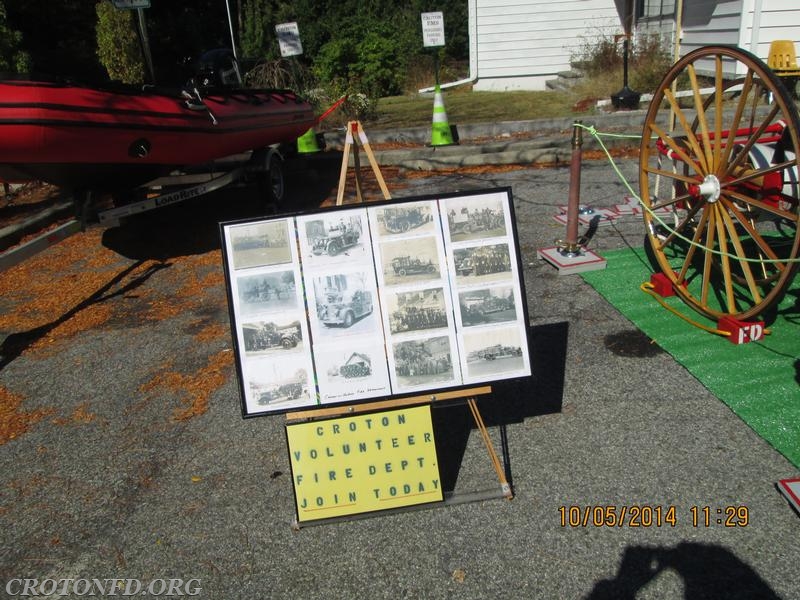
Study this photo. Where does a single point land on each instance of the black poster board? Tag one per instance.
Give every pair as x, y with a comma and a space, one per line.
379, 300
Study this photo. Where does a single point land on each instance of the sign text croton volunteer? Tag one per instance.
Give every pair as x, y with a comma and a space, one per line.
363, 463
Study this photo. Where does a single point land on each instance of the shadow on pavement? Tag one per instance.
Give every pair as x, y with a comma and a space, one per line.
706, 570
192, 227
510, 402
16, 343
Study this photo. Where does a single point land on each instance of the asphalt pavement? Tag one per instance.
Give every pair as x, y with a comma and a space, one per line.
121, 466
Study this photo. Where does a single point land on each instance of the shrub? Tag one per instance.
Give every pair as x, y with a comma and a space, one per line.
118, 44
650, 60
12, 57
601, 58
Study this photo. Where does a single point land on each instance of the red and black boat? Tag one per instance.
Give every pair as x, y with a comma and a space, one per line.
114, 137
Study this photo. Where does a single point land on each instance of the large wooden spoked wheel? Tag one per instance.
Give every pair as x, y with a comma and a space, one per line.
718, 175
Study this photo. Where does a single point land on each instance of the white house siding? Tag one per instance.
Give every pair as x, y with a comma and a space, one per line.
707, 22
711, 22
748, 24
765, 21
520, 44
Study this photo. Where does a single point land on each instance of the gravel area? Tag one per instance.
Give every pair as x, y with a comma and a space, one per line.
124, 454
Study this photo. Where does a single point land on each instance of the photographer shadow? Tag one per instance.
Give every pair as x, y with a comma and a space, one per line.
707, 571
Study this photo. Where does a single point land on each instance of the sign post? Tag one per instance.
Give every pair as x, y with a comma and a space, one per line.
138, 5
131, 4
289, 39
290, 46
433, 35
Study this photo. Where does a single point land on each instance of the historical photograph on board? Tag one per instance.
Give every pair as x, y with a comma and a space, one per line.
266, 292
423, 362
345, 303
405, 218
490, 353
271, 337
476, 217
417, 310
334, 237
403, 262
487, 305
260, 244
356, 371
478, 264
277, 383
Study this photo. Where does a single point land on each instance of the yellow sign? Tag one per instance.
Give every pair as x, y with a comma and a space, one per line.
363, 463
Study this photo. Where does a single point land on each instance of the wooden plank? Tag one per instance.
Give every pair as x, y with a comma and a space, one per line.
391, 403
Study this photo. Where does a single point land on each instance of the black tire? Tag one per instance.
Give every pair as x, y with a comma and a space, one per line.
270, 179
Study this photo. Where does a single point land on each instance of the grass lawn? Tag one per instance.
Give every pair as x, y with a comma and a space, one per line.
472, 107
466, 106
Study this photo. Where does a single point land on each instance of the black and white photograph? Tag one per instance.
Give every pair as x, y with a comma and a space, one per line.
475, 218
260, 244
487, 305
334, 238
490, 353
345, 303
399, 297
416, 218
423, 362
358, 370
417, 310
479, 264
271, 337
266, 292
406, 263
278, 383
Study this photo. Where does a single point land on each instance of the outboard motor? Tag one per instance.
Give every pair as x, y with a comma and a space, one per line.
218, 69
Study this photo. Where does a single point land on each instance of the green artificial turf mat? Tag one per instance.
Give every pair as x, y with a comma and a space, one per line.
759, 381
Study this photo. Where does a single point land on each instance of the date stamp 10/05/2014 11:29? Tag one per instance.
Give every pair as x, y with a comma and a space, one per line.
611, 515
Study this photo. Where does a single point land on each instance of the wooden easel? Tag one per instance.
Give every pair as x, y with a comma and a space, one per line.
355, 135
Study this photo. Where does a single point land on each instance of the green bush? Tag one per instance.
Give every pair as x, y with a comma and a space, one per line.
118, 47
598, 55
374, 61
649, 58
13, 58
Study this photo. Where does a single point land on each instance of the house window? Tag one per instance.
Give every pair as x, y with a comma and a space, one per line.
655, 9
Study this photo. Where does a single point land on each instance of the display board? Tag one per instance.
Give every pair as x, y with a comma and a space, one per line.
363, 463
376, 300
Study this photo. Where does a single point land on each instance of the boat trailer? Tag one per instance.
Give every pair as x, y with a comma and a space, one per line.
264, 167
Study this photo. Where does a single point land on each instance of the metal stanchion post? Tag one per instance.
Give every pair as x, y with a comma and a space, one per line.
568, 256
570, 246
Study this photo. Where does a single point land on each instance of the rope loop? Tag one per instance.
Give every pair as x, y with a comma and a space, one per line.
672, 232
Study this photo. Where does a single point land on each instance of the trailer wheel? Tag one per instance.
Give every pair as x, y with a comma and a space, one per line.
268, 165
